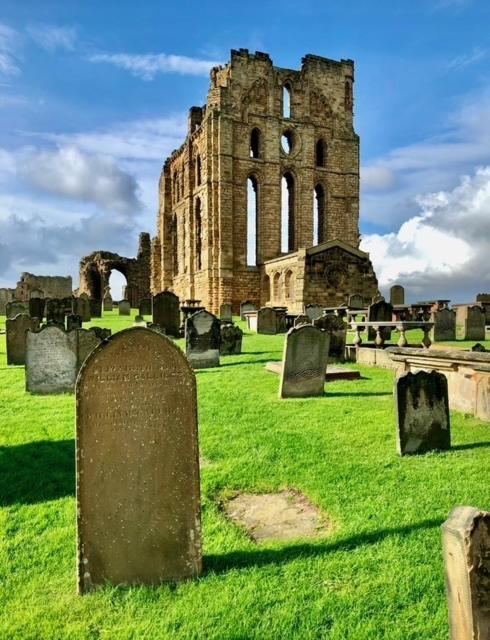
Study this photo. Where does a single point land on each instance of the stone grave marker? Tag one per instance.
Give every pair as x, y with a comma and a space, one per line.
145, 307
124, 308
444, 325
397, 295
301, 319
73, 321
51, 361
266, 321
466, 550
380, 311
231, 340
107, 303
166, 312
55, 311
139, 321
16, 307
337, 329
36, 308
225, 312
313, 311
95, 307
304, 362
16, 330
81, 307
470, 322
138, 498
202, 339
84, 341
356, 301
246, 306
422, 409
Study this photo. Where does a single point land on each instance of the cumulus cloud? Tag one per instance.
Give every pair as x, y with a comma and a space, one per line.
467, 59
51, 37
147, 66
441, 251
9, 64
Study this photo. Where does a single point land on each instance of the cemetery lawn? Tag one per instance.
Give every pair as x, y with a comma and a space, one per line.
377, 575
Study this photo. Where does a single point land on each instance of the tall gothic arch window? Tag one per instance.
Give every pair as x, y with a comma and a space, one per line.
318, 215
287, 213
286, 100
198, 235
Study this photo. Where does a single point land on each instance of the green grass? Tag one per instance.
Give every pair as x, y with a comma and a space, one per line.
378, 575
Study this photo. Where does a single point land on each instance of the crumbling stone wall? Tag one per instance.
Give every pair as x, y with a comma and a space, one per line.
201, 245
95, 271
51, 286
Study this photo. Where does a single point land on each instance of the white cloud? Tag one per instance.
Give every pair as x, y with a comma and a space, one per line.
51, 37
147, 66
9, 65
377, 177
466, 59
443, 250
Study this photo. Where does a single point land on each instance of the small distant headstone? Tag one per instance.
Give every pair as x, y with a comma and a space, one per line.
16, 307
337, 329
55, 311
95, 307
81, 307
301, 319
166, 312
36, 308
466, 550
444, 328
137, 464
266, 321
139, 321
470, 322
202, 339
479, 348
397, 295
380, 311
124, 308
356, 301
73, 322
51, 361
304, 362
225, 313
314, 311
107, 303
231, 340
145, 307
246, 306
16, 329
422, 410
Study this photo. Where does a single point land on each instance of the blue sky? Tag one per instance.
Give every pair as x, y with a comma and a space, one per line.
94, 95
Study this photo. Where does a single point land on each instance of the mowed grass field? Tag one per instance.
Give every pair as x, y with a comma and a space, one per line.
378, 574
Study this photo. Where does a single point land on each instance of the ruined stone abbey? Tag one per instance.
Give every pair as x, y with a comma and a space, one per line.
261, 202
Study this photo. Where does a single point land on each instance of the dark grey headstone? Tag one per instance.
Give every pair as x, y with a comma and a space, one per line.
95, 307
81, 307
266, 321
145, 307
166, 312
231, 340
380, 311
397, 295
73, 322
124, 308
225, 312
202, 339
304, 362
337, 329
470, 322
36, 308
444, 328
56, 310
422, 410
16, 330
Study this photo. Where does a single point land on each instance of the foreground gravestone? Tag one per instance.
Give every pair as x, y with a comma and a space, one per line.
202, 339
137, 463
230, 340
81, 307
397, 295
51, 361
470, 322
267, 321
444, 328
246, 306
304, 362
166, 312
337, 329
422, 409
16, 329
36, 308
380, 311
466, 549
16, 307
124, 308
145, 307
225, 312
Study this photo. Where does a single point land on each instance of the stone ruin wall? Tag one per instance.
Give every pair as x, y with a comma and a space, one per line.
51, 286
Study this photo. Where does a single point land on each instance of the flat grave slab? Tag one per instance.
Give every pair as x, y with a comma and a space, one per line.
332, 373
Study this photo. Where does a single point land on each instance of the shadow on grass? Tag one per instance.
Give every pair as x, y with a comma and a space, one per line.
222, 563
350, 394
37, 471
469, 445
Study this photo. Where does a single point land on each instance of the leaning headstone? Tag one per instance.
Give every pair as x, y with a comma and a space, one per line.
73, 322
266, 321
313, 311
16, 307
36, 308
95, 307
51, 361
55, 311
81, 307
466, 550
444, 328
231, 340
124, 308
166, 312
246, 306
470, 322
225, 313
356, 301
16, 329
145, 307
337, 329
202, 339
422, 410
380, 311
137, 464
304, 362
301, 319
397, 295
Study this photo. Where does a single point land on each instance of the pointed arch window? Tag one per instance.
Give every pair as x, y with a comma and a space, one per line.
198, 235
318, 215
286, 100
287, 213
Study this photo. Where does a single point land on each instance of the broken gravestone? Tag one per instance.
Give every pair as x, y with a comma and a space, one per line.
202, 339
137, 463
304, 362
422, 410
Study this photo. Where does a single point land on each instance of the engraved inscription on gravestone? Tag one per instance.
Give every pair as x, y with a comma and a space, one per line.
304, 362
137, 463
51, 361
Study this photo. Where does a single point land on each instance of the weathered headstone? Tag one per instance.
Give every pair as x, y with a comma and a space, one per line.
16, 329
304, 362
397, 295
51, 361
84, 341
55, 311
314, 311
107, 303
36, 308
301, 319
202, 339
422, 409
166, 312
16, 307
231, 340
466, 549
124, 308
73, 321
246, 306
266, 321
337, 329
81, 307
380, 311
139, 321
356, 301
225, 313
444, 325
145, 307
470, 322
137, 464
95, 307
